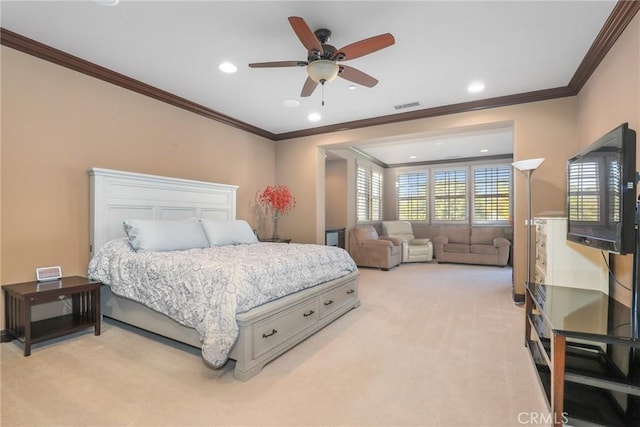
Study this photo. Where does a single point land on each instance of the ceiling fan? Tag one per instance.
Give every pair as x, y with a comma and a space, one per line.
324, 61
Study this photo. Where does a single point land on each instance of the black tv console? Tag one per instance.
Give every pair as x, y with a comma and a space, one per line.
569, 333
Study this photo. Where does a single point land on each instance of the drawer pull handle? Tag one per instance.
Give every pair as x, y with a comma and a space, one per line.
350, 291
329, 302
309, 313
273, 332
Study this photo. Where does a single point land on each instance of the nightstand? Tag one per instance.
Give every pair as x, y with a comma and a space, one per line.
83, 293
278, 240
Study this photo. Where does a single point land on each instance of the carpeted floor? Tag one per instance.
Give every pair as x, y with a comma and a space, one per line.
431, 345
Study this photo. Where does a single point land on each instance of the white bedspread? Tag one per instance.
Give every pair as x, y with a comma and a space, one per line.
206, 288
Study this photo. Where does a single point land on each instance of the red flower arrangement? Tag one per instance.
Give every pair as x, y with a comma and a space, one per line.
277, 198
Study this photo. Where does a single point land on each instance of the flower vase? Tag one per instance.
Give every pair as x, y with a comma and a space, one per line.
276, 217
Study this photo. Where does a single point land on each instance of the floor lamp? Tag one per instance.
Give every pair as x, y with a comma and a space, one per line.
527, 167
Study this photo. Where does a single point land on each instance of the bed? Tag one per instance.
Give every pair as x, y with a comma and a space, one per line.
263, 332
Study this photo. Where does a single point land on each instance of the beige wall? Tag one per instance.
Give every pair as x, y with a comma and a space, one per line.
612, 94
611, 97
336, 189
57, 123
541, 129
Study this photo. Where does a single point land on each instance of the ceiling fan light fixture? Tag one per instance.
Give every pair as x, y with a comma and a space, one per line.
323, 71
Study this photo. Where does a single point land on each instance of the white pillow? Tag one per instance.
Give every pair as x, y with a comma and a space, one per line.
154, 235
232, 232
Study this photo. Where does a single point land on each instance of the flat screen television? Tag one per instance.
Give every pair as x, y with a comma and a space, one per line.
601, 193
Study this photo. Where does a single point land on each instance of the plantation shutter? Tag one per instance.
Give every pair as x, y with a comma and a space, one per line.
491, 194
369, 192
413, 193
376, 196
450, 195
363, 194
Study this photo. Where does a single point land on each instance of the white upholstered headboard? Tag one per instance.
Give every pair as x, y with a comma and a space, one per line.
117, 195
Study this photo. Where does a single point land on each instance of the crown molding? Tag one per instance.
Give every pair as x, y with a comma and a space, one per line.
622, 14
620, 17
48, 53
501, 101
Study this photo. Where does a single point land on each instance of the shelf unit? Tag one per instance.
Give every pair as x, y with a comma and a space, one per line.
575, 371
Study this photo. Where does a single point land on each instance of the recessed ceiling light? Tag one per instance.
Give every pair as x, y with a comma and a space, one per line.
314, 117
439, 143
412, 157
291, 103
351, 87
484, 150
108, 2
227, 67
475, 87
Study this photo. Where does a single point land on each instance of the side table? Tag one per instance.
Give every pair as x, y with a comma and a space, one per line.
20, 297
276, 240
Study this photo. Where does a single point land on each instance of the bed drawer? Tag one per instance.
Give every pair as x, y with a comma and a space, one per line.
337, 297
271, 331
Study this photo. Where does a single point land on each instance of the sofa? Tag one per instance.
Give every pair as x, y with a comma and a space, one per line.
472, 245
370, 250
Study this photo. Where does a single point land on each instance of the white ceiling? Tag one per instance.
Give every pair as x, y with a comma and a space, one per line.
451, 146
512, 46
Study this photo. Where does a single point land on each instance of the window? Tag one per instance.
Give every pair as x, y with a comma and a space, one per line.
491, 194
450, 195
413, 196
471, 194
369, 193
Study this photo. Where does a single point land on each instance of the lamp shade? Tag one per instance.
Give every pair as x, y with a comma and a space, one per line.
322, 70
528, 165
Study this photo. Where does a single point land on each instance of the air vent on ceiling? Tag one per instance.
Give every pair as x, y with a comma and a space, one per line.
409, 105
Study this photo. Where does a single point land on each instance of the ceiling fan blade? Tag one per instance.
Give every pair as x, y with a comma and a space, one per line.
279, 64
357, 76
304, 33
308, 88
364, 47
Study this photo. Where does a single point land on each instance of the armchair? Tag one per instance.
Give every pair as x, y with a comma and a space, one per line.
413, 250
369, 250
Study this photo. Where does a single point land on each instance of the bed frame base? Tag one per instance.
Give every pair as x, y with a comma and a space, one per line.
265, 332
